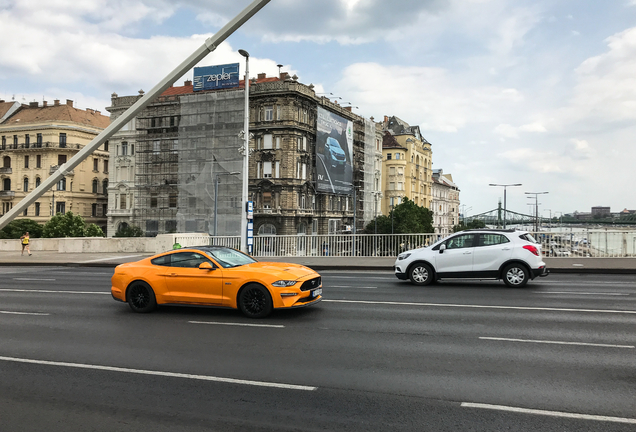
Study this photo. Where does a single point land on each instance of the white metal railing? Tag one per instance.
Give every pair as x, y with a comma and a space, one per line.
564, 243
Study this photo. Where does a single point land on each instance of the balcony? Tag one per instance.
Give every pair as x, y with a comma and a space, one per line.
7, 194
119, 212
6, 170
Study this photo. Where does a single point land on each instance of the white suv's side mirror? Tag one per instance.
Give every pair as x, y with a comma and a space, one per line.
442, 248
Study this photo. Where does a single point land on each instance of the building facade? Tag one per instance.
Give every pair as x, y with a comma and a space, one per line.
445, 203
35, 140
407, 163
186, 171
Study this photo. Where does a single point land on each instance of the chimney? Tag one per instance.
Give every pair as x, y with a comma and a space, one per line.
33, 104
69, 103
187, 83
56, 102
348, 108
284, 75
45, 104
262, 76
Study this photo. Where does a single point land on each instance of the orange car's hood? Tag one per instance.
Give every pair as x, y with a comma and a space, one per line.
288, 270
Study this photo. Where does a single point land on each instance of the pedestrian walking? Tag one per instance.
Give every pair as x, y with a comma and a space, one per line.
25, 243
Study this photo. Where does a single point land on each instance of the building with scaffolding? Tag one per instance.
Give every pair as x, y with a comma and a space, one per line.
445, 203
177, 165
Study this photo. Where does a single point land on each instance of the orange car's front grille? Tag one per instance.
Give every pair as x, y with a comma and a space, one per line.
311, 284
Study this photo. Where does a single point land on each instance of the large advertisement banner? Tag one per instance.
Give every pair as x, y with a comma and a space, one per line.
334, 153
216, 77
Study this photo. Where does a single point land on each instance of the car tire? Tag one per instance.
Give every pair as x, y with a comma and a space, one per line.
421, 274
141, 297
515, 275
254, 301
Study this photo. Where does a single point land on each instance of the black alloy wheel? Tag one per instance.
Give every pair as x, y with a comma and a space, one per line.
421, 274
516, 275
255, 301
141, 297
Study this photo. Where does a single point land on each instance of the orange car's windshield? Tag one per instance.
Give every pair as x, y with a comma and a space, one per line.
230, 257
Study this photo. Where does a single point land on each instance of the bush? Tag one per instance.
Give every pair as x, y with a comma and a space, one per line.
17, 227
65, 225
129, 231
94, 231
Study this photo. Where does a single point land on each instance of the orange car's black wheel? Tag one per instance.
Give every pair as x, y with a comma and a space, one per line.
141, 297
254, 301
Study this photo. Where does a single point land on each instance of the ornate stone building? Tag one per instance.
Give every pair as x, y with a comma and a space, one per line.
445, 203
35, 140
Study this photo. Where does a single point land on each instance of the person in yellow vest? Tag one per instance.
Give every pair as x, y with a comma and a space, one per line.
25, 243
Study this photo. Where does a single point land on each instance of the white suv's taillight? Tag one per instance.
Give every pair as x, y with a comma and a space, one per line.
532, 249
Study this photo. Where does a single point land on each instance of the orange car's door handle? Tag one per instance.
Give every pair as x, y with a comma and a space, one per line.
172, 274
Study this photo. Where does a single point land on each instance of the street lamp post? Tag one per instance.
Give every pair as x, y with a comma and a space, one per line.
216, 196
536, 207
246, 151
504, 186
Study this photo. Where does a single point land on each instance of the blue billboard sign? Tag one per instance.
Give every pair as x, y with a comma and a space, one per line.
216, 77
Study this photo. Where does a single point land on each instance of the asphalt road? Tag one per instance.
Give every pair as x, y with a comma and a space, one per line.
376, 354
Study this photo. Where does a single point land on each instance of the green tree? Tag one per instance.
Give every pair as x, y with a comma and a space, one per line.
17, 227
129, 231
94, 231
405, 218
473, 224
65, 225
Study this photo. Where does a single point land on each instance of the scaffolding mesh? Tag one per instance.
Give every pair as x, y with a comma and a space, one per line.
369, 171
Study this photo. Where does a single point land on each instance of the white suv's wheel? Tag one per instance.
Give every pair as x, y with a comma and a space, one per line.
515, 275
421, 274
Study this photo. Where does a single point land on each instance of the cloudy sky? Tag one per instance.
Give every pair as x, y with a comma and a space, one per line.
538, 92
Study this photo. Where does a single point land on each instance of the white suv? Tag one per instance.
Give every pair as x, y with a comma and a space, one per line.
514, 256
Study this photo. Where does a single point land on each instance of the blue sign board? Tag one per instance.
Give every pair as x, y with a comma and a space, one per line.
216, 77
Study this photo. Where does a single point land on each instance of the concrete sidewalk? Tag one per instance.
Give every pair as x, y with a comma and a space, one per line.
52, 258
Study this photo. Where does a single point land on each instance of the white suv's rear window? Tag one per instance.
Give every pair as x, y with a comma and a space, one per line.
528, 237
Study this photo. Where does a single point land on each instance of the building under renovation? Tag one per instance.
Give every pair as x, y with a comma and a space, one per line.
178, 164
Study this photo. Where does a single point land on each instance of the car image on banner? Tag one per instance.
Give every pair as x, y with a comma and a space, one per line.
334, 151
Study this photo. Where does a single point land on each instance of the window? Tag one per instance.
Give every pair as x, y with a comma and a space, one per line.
37, 209
269, 113
267, 200
122, 201
61, 159
93, 210
27, 140
38, 138
62, 140
95, 186
38, 161
6, 162
392, 171
172, 200
388, 156
104, 209
106, 146
95, 165
492, 239
277, 142
156, 146
267, 169
400, 186
26, 161
303, 173
124, 148
37, 182
397, 156
461, 241
60, 207
25, 185
153, 200
25, 212
105, 187
105, 167
4, 142
267, 229
391, 185
6, 184
61, 185
15, 141
267, 141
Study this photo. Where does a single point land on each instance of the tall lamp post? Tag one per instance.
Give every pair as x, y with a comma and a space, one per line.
504, 186
536, 207
216, 196
246, 151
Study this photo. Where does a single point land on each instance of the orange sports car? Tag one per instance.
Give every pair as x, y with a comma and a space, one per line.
215, 276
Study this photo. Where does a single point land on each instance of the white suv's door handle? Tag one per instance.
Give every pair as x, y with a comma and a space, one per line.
467, 253
506, 248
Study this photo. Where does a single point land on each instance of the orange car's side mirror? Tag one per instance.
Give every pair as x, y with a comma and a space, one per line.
206, 266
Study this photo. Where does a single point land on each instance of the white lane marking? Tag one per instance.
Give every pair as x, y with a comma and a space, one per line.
550, 413
160, 373
23, 313
580, 293
349, 286
237, 324
483, 306
112, 258
53, 291
32, 279
556, 342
